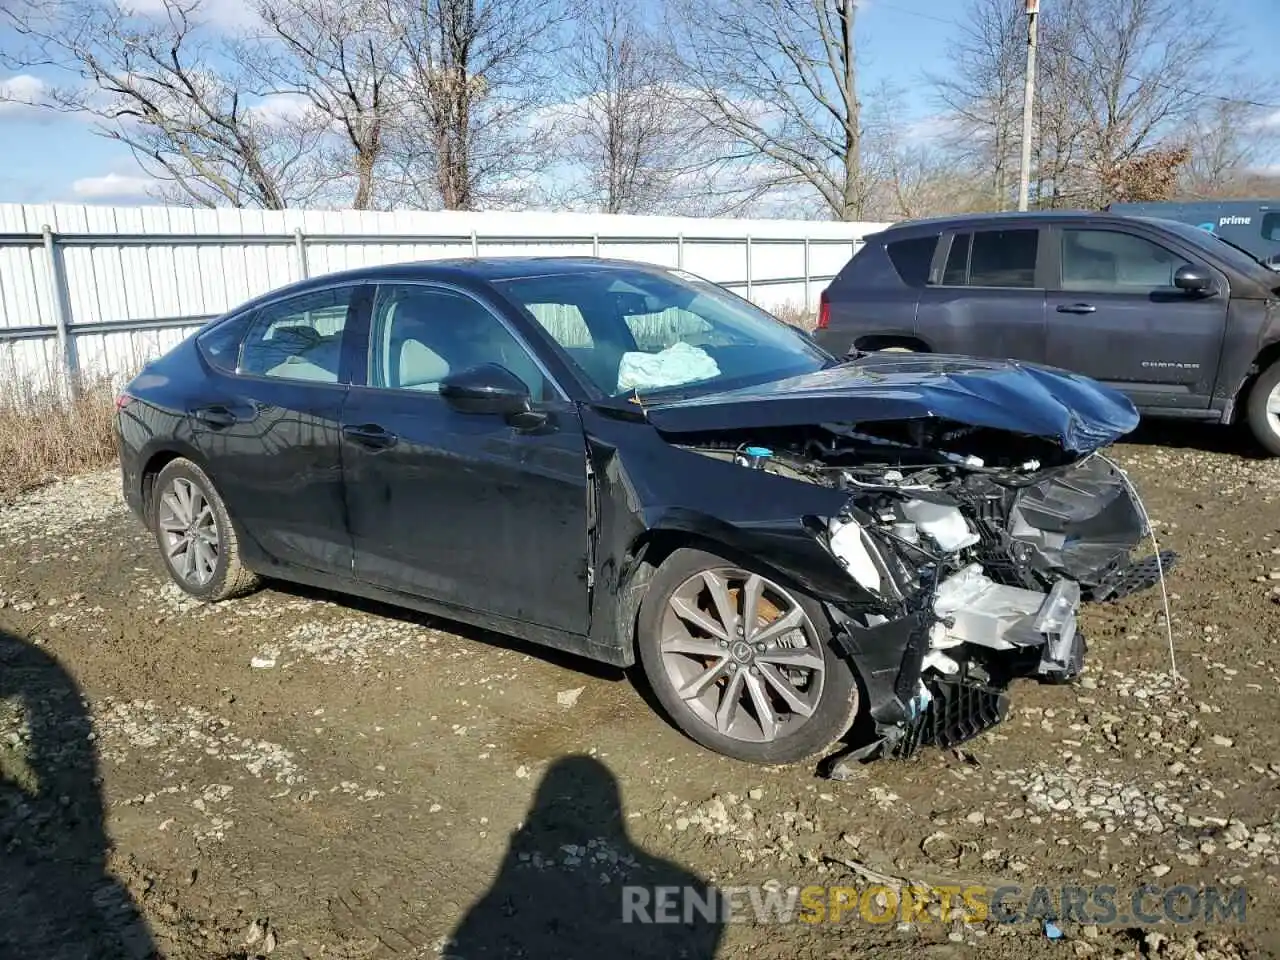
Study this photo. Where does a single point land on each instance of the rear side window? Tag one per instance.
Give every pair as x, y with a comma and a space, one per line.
299, 338
993, 258
1271, 226
221, 343
912, 259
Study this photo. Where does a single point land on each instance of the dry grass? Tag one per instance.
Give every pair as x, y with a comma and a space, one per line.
43, 437
796, 315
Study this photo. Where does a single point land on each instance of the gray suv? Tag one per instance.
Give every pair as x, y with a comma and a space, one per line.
1183, 322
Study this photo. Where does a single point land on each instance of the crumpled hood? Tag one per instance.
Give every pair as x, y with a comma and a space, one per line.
1081, 414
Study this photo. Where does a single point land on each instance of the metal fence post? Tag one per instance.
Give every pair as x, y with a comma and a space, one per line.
595, 244
475, 244
680, 251
808, 298
68, 377
748, 266
300, 247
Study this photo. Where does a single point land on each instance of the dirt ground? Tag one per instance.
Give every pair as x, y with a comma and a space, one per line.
298, 775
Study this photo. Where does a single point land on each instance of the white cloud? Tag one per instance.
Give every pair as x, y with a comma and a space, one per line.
282, 109
1271, 121
934, 127
114, 188
20, 93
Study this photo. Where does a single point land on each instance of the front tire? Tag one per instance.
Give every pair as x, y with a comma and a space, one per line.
197, 540
1264, 409
743, 664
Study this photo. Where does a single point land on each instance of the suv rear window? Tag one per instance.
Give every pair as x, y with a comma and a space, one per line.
912, 259
992, 258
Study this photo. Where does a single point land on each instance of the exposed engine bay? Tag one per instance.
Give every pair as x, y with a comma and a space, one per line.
969, 551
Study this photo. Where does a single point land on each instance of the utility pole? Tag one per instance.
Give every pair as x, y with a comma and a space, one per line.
1028, 103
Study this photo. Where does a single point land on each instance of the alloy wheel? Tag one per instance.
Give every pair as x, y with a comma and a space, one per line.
742, 654
189, 531
1273, 409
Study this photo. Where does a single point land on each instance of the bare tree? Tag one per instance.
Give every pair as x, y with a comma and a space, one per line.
913, 167
981, 88
474, 73
1140, 76
779, 78
340, 58
149, 83
619, 119
1229, 138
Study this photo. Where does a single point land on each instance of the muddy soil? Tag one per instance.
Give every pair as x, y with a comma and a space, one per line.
294, 774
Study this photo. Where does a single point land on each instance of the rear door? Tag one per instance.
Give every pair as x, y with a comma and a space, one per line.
268, 428
986, 295
1116, 316
464, 509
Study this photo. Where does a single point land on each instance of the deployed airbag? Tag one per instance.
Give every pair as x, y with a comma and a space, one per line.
680, 363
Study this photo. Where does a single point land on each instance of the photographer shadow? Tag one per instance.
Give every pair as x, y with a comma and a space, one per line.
57, 899
573, 885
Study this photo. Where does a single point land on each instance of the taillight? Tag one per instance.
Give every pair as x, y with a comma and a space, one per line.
824, 311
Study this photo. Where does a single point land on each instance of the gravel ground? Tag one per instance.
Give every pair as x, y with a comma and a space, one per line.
298, 775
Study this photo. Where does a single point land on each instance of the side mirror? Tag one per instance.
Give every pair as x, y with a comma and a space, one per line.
1192, 279
487, 388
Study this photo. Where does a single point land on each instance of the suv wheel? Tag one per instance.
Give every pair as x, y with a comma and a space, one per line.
1264, 409
194, 532
742, 664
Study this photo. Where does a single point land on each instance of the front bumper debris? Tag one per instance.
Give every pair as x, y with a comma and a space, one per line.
1133, 577
955, 711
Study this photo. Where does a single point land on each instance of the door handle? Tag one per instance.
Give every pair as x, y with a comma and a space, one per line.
1077, 308
370, 435
215, 415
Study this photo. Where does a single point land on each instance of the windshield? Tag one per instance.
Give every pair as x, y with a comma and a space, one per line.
636, 331
1235, 256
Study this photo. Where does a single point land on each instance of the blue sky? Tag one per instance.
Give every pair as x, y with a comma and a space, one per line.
58, 158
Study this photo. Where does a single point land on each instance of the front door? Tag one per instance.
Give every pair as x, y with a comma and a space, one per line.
464, 509
986, 296
270, 428
1116, 316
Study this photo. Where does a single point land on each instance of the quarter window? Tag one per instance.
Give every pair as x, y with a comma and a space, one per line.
912, 259
993, 258
1271, 226
1108, 261
299, 338
422, 334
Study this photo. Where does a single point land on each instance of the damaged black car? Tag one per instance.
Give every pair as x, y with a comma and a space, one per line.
631, 463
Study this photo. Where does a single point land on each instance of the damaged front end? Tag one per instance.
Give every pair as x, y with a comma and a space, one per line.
977, 516
972, 566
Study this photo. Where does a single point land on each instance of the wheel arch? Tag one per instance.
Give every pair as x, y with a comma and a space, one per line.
1267, 357
652, 546
156, 460
891, 341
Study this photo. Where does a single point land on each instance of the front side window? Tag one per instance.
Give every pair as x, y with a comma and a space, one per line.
299, 338
421, 334
635, 330
993, 258
1109, 261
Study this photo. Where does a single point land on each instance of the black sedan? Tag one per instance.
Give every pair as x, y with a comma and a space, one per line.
631, 463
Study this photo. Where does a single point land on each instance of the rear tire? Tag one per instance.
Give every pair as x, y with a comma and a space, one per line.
1264, 409
196, 537
775, 693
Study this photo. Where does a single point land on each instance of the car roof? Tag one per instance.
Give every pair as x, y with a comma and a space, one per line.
1006, 219
459, 270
